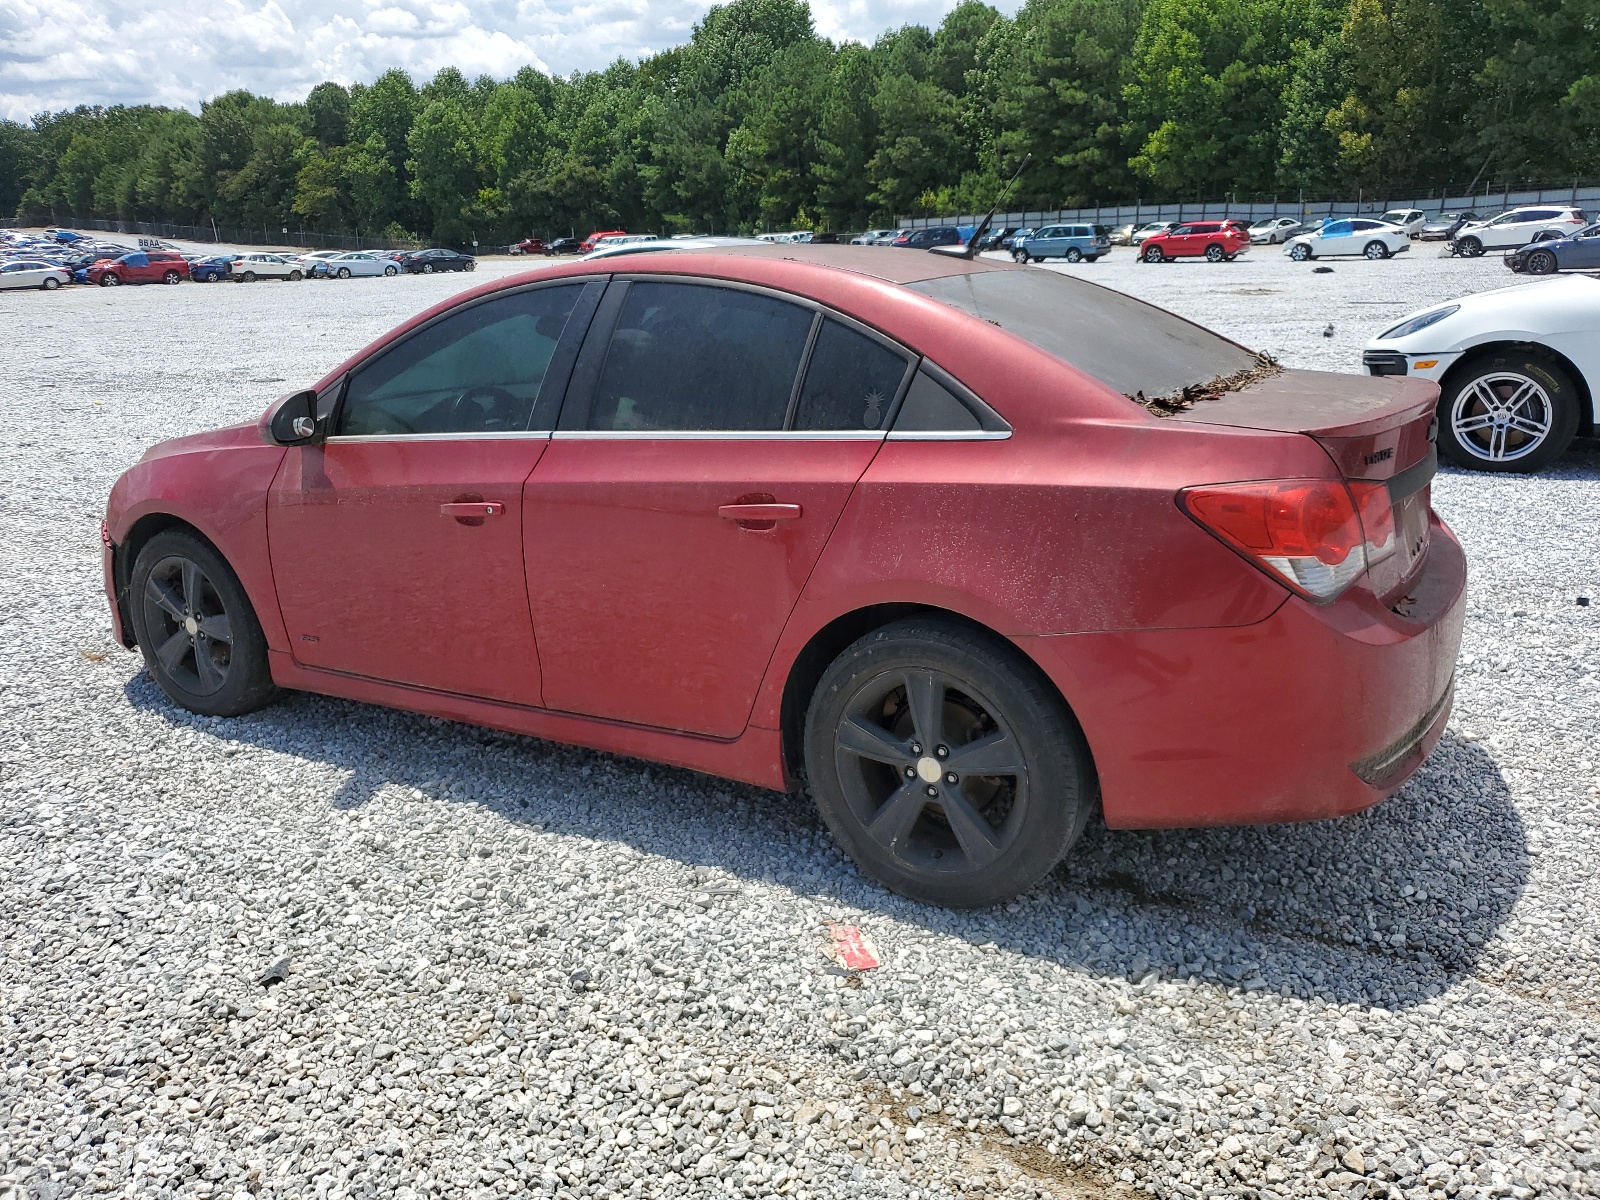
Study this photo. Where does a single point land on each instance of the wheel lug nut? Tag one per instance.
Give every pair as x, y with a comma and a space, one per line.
932, 791
916, 747
951, 778
943, 751
911, 772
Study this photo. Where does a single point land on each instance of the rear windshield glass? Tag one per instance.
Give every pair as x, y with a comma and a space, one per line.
1126, 343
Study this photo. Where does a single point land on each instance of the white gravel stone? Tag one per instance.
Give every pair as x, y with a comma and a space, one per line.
505, 966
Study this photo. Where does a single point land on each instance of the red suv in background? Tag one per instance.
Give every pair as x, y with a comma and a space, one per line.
530, 245
588, 243
142, 266
1215, 241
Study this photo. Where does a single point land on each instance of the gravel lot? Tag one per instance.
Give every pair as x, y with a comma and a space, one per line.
512, 966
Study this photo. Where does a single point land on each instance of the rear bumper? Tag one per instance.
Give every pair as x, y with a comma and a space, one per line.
1311, 713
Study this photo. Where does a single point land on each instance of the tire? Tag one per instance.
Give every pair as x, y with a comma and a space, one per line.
391, 270
344, 272
109, 280
295, 276
1300, 252
427, 268
1469, 247
471, 266
1015, 824
248, 277
1375, 250
218, 664
1215, 254
1074, 255
1541, 262
51, 283
171, 277
1153, 254
1523, 387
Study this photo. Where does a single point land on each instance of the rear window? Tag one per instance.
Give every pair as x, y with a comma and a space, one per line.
1125, 343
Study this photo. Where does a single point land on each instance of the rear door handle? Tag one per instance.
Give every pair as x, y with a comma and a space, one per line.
759, 512
472, 508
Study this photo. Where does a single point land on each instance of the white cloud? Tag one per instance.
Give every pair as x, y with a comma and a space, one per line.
61, 53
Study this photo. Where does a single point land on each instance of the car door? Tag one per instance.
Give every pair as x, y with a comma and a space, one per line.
1337, 237
397, 542
693, 481
1582, 250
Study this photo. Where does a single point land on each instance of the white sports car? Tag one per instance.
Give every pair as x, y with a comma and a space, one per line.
1518, 369
1349, 235
343, 266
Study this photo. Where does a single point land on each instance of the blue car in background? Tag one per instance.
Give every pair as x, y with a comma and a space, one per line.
211, 269
1075, 243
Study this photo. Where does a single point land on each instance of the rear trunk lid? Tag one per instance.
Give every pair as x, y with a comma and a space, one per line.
1375, 428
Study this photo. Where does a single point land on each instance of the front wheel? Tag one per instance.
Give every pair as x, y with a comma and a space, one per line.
1469, 247
391, 270
171, 277
1074, 255
51, 283
1153, 254
1541, 262
1215, 254
195, 626
1300, 252
1507, 412
1376, 250
945, 765
109, 280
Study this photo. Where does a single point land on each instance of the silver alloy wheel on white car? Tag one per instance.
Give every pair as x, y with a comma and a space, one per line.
1502, 416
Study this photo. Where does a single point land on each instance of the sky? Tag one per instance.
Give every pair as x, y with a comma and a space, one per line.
61, 53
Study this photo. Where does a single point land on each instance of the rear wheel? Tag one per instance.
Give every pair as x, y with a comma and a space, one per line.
295, 276
51, 283
196, 628
945, 765
1074, 255
1541, 262
427, 268
1300, 252
1154, 254
248, 277
1215, 254
1376, 250
471, 266
1507, 412
391, 270
171, 277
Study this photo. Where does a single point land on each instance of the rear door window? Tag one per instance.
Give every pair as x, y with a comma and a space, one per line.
851, 381
476, 370
687, 357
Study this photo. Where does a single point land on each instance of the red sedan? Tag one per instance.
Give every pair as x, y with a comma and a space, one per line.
1214, 241
888, 527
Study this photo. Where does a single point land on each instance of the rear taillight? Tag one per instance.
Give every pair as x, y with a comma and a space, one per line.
1316, 535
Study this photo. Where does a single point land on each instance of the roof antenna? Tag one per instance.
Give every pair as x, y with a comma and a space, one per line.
988, 217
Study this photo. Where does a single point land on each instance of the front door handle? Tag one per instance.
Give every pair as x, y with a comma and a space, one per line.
759, 512
461, 509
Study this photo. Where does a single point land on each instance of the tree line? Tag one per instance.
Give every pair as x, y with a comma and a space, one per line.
757, 122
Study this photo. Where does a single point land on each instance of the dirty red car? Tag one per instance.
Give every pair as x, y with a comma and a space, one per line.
153, 266
1214, 241
886, 527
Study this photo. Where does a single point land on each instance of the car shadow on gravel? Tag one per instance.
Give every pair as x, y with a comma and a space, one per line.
1388, 907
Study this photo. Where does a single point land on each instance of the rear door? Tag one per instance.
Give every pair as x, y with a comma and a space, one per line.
709, 441
397, 543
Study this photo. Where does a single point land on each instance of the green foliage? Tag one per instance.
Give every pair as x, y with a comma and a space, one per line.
756, 122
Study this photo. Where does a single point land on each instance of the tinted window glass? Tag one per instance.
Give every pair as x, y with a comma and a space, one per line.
850, 382
476, 371
932, 407
691, 357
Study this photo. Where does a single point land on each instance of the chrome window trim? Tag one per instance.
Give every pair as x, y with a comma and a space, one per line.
719, 435
512, 435
940, 435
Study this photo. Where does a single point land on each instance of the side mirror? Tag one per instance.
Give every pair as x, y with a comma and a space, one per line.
293, 421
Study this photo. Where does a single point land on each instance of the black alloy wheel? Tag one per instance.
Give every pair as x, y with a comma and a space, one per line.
1541, 262
195, 626
1215, 254
945, 764
1154, 254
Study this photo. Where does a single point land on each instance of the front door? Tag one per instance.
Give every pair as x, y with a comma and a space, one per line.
702, 461
397, 544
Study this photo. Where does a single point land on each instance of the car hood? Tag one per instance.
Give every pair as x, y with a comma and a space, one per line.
1559, 305
247, 433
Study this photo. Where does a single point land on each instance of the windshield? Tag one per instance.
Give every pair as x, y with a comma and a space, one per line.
1128, 344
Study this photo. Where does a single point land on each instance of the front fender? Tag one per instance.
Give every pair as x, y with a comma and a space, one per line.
216, 483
